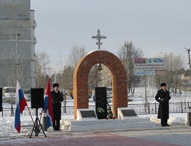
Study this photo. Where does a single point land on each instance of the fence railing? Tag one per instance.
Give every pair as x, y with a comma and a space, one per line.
152, 108
140, 109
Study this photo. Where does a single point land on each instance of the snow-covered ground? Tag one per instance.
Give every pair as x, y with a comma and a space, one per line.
7, 123
8, 130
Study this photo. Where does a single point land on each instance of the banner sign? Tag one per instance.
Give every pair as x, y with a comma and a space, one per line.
149, 60
149, 64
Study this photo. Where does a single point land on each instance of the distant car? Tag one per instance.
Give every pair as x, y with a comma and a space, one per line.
27, 94
130, 98
9, 94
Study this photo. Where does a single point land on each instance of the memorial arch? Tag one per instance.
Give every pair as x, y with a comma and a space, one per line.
80, 80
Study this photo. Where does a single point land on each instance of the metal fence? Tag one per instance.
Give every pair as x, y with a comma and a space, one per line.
152, 108
141, 109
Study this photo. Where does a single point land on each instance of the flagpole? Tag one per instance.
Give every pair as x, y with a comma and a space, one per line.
30, 114
47, 110
20, 106
44, 119
41, 114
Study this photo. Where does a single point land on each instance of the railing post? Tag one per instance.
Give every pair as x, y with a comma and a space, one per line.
188, 105
12, 110
181, 106
148, 108
185, 107
64, 107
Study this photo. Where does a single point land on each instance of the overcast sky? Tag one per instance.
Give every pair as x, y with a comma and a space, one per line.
154, 26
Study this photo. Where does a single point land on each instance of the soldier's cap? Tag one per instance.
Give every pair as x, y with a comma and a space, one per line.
163, 84
55, 85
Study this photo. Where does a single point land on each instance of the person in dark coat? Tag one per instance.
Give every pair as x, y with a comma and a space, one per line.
163, 97
57, 98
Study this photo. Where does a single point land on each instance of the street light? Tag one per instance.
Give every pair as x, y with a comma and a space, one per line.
17, 63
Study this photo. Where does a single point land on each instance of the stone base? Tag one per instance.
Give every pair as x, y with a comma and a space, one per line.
131, 123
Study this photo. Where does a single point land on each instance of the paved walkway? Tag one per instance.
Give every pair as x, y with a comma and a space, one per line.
172, 136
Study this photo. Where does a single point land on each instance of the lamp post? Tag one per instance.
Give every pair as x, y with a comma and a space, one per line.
17, 61
16, 78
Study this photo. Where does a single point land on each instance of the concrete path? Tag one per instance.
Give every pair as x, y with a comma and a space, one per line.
171, 136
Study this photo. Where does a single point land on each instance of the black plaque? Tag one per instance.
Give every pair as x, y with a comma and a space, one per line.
88, 114
128, 112
1, 100
37, 98
101, 102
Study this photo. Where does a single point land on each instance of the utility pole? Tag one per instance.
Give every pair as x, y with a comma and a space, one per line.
189, 71
189, 60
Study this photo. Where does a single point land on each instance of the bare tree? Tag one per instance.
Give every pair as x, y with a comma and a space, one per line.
126, 54
41, 68
174, 65
44, 60
66, 76
77, 53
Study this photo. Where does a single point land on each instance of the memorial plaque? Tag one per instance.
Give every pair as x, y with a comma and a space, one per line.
125, 113
128, 112
101, 102
88, 114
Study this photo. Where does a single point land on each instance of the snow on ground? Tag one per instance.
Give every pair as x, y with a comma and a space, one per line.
7, 129
174, 119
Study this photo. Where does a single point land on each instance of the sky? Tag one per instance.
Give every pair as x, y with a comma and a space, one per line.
156, 27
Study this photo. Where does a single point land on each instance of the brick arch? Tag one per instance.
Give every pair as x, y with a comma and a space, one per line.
80, 80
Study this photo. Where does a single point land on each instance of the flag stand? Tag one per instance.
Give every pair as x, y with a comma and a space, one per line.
36, 126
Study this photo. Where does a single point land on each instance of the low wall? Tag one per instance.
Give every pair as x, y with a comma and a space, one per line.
108, 125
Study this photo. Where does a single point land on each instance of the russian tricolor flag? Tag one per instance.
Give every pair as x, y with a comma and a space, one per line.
20, 106
48, 105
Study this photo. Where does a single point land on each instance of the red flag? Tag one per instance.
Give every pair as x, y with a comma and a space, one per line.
48, 104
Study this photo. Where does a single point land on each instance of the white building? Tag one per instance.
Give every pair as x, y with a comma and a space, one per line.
17, 43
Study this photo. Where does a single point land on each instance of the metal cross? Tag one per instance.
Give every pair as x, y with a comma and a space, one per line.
99, 37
